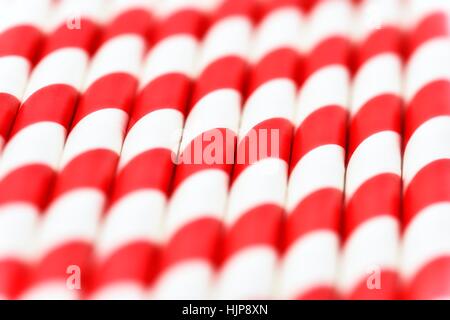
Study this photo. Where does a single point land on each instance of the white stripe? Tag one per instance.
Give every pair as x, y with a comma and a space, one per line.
102, 129
189, 280
25, 12
430, 62
310, 262
323, 167
120, 291
51, 290
69, 10
39, 143
279, 29
428, 143
158, 129
63, 66
218, 109
201, 195
419, 9
248, 274
170, 7
427, 237
121, 54
228, 37
17, 226
372, 246
263, 182
312, 96
376, 14
328, 19
71, 217
367, 84
138, 216
378, 154
14, 71
175, 54
273, 99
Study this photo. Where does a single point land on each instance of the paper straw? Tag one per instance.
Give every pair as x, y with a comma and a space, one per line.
426, 168
370, 253
129, 244
257, 194
37, 139
197, 205
315, 190
20, 37
90, 155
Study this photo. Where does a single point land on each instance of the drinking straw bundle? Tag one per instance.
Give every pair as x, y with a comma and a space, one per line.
224, 149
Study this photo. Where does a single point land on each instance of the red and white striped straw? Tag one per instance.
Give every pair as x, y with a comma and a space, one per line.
426, 167
315, 190
21, 25
370, 252
256, 201
130, 239
194, 220
91, 153
37, 140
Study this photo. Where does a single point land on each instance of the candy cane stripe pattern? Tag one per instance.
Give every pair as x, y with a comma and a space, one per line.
37, 139
90, 156
20, 38
196, 209
132, 227
315, 189
426, 165
256, 200
373, 178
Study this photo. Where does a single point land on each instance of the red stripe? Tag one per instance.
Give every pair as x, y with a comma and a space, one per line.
9, 105
98, 96
318, 293
37, 179
281, 63
186, 21
258, 139
215, 154
364, 206
334, 50
432, 26
135, 261
260, 225
21, 41
389, 285
431, 101
54, 266
91, 169
230, 8
311, 133
387, 39
196, 240
225, 73
63, 37
149, 170
54, 103
430, 185
381, 113
268, 7
13, 278
134, 21
320, 210
154, 96
431, 281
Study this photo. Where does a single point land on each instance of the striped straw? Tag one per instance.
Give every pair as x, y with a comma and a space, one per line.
37, 140
90, 156
426, 168
196, 209
373, 181
20, 37
257, 194
129, 244
315, 190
